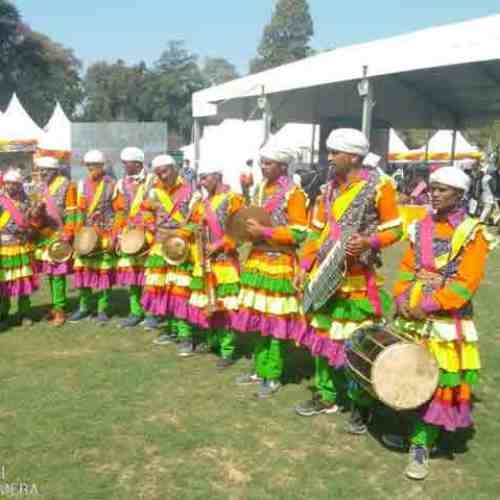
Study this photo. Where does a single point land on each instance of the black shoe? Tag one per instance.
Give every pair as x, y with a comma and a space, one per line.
223, 363
315, 407
78, 315
358, 421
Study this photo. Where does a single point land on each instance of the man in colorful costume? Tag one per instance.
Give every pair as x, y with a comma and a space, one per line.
358, 209
96, 271
17, 267
269, 303
131, 191
167, 282
216, 279
439, 275
59, 197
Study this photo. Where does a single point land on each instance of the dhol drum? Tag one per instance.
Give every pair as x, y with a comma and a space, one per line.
86, 241
174, 248
60, 251
399, 373
133, 242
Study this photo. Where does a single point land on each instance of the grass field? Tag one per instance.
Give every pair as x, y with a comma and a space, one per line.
93, 413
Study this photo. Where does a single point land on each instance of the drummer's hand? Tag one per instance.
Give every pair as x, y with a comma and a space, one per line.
255, 228
417, 313
356, 245
212, 249
299, 281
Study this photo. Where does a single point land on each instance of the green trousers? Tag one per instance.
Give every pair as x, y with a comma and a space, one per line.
57, 285
328, 382
269, 358
222, 340
424, 434
135, 293
181, 328
23, 306
102, 299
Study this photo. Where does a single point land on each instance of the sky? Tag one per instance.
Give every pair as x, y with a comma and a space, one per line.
139, 30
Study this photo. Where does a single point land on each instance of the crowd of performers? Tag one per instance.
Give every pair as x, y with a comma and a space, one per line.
215, 295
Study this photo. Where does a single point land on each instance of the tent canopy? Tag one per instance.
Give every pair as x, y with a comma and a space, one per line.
57, 136
442, 77
17, 126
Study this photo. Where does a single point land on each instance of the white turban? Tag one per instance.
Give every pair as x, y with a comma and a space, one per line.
451, 176
348, 140
13, 175
163, 161
47, 162
132, 154
94, 156
280, 154
209, 167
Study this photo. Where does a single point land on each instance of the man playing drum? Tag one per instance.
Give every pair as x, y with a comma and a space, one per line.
93, 267
439, 275
216, 277
269, 304
167, 274
60, 210
17, 279
358, 214
131, 191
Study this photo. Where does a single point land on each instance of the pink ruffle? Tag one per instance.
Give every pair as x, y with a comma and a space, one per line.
221, 319
332, 350
24, 286
165, 304
247, 321
130, 277
87, 278
450, 417
54, 269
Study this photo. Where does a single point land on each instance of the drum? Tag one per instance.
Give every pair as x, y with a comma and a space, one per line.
60, 251
86, 241
236, 224
133, 241
175, 249
399, 373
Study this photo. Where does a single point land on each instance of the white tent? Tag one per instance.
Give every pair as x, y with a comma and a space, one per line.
299, 137
442, 77
57, 136
397, 147
18, 132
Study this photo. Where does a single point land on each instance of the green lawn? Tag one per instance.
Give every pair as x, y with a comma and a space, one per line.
93, 413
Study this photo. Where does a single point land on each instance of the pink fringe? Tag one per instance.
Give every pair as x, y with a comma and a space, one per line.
282, 328
130, 277
23, 286
53, 269
86, 278
332, 350
165, 304
450, 417
221, 319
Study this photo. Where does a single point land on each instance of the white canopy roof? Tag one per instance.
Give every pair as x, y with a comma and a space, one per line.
17, 125
57, 136
298, 136
396, 144
441, 77
441, 142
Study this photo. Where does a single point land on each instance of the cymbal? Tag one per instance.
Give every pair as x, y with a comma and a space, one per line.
236, 224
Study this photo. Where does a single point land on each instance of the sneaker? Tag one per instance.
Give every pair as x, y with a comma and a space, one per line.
102, 318
26, 321
202, 348
358, 421
315, 407
186, 349
223, 363
151, 323
418, 468
131, 321
165, 339
248, 379
268, 387
78, 315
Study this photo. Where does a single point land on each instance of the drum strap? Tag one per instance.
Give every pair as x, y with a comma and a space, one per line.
212, 220
170, 205
96, 198
51, 204
4, 219
14, 212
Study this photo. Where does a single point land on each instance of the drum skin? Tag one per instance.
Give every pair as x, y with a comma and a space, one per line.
60, 251
133, 241
86, 240
399, 373
236, 224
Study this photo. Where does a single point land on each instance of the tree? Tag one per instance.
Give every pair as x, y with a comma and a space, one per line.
217, 70
286, 38
39, 70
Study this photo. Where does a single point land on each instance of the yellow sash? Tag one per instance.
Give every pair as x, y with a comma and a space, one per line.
55, 186
168, 205
97, 197
138, 199
4, 219
344, 201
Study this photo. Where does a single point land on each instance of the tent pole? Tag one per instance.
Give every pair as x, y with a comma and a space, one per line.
263, 104
365, 91
196, 133
453, 145
313, 141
